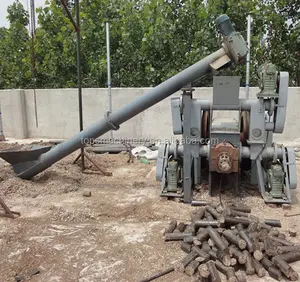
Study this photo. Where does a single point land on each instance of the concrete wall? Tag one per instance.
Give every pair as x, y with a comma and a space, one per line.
57, 113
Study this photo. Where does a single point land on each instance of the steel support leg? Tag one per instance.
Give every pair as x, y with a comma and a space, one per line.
187, 147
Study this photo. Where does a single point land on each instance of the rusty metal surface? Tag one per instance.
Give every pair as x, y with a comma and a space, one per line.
245, 124
224, 152
205, 126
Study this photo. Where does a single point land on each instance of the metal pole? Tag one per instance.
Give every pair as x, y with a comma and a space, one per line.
2, 137
248, 55
108, 73
33, 65
123, 114
79, 78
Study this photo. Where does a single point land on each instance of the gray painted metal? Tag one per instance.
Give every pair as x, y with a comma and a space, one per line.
261, 182
291, 165
286, 172
226, 90
195, 122
244, 105
248, 55
176, 115
282, 102
268, 153
19, 158
2, 137
116, 118
161, 163
257, 129
108, 73
263, 117
220, 136
259, 141
187, 152
195, 128
79, 77
260, 176
197, 167
287, 198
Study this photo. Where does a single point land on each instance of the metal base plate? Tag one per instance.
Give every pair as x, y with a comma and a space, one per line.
165, 193
270, 200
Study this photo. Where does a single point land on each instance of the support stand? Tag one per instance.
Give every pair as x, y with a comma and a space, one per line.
101, 169
2, 137
77, 30
76, 25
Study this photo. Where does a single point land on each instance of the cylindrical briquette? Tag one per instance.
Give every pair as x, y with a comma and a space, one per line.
171, 227
204, 255
205, 223
205, 246
273, 222
235, 252
180, 265
186, 247
176, 236
180, 227
214, 274
249, 243
259, 269
232, 238
250, 270
227, 271
213, 234
191, 267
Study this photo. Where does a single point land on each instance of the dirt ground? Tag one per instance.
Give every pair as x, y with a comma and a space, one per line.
114, 235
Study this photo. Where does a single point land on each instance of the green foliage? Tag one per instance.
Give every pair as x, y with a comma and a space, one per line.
15, 69
151, 40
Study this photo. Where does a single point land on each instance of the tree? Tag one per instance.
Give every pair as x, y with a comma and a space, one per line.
151, 40
15, 49
283, 36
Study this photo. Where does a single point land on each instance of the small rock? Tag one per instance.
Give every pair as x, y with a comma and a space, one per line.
86, 193
286, 206
20, 278
138, 184
272, 205
292, 233
34, 195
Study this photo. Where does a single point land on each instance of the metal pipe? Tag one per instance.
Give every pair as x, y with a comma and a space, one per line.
79, 77
244, 105
270, 126
108, 73
248, 55
116, 118
2, 137
236, 50
267, 153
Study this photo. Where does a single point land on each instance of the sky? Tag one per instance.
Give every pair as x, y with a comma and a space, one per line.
5, 3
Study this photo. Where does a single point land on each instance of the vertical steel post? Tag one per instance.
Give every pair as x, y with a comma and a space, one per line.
108, 73
2, 137
187, 147
79, 77
248, 55
33, 65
